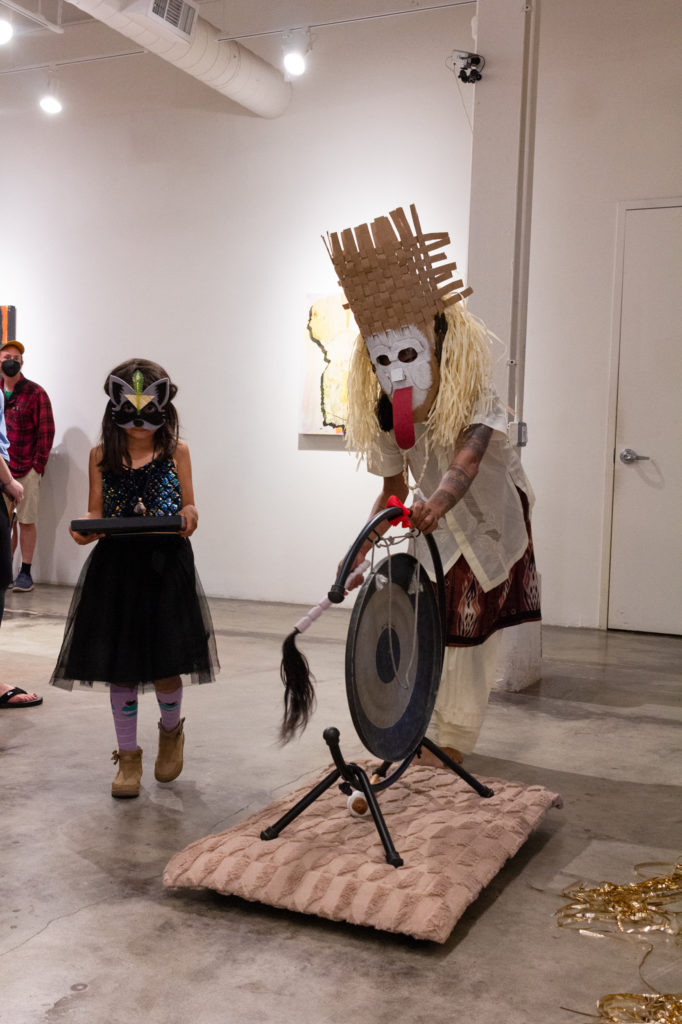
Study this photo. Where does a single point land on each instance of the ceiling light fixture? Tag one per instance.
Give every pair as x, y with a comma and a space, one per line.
6, 31
295, 46
50, 104
49, 101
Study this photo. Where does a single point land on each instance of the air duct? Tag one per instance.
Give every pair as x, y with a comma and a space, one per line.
225, 66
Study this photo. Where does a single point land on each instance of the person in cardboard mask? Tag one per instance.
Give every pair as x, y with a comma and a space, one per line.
424, 416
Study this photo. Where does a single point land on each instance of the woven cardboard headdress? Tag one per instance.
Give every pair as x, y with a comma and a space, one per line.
394, 275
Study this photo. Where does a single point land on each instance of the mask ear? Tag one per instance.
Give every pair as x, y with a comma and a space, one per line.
160, 392
116, 389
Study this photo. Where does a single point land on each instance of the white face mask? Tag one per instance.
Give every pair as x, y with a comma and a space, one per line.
401, 359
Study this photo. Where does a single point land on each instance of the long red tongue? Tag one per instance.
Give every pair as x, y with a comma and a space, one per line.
403, 423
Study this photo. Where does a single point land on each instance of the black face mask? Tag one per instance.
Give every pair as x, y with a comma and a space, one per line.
151, 418
10, 367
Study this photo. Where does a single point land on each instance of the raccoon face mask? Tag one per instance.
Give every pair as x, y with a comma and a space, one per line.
136, 406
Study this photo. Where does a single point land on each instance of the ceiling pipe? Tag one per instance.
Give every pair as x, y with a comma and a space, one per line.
227, 67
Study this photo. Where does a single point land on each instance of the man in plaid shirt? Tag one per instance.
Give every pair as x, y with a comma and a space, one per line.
30, 429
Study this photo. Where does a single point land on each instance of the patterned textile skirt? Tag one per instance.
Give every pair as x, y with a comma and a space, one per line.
138, 614
472, 615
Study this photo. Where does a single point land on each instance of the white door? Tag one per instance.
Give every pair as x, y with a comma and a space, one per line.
645, 586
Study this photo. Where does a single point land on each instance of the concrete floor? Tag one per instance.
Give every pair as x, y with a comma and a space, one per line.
89, 934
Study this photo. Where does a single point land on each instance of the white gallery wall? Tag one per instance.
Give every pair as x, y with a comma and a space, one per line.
608, 130
156, 218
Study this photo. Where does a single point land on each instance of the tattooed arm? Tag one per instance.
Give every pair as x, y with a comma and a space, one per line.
470, 448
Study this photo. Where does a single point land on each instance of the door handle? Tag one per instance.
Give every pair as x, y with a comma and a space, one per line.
628, 455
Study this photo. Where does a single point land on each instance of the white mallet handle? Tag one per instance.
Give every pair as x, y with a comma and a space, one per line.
315, 612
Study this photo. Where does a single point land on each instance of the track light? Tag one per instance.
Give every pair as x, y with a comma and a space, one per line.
49, 101
295, 46
50, 104
6, 31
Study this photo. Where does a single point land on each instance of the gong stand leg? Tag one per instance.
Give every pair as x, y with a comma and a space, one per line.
353, 774
361, 781
355, 777
457, 768
274, 830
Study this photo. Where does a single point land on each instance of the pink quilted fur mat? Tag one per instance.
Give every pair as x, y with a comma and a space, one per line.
331, 864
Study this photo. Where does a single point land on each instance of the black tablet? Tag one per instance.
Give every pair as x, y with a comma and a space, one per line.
120, 525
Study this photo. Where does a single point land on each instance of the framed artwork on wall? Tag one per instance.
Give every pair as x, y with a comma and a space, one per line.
329, 338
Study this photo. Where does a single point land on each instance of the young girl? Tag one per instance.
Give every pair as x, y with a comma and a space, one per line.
138, 614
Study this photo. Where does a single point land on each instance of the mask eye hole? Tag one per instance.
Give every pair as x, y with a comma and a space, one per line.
407, 355
383, 360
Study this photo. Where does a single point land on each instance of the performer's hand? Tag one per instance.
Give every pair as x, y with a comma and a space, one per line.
424, 516
191, 515
354, 581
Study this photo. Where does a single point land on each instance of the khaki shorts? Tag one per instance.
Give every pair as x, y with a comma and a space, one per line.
27, 509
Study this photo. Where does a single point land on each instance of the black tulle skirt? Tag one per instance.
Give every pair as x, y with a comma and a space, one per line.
138, 614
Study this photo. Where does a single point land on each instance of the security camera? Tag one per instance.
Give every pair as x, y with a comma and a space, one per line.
467, 66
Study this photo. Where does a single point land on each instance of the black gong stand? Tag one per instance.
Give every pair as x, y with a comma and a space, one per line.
394, 734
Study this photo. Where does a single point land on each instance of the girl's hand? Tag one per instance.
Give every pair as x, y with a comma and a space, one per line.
191, 520
86, 538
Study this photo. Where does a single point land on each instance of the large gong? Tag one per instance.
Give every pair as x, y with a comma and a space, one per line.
394, 656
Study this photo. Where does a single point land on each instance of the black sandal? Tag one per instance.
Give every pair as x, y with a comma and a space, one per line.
6, 697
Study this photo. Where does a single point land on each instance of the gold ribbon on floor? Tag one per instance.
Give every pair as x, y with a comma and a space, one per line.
625, 1008
651, 905
645, 906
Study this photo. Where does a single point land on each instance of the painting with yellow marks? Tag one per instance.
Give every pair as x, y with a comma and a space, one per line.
330, 335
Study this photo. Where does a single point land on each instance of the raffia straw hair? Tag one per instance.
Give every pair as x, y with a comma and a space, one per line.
465, 376
364, 391
465, 382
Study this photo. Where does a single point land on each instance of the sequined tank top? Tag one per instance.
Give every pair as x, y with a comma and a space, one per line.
149, 490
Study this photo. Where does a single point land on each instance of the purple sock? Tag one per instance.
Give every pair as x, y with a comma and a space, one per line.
170, 704
124, 707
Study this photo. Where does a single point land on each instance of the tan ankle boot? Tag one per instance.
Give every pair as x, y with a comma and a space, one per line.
169, 759
127, 782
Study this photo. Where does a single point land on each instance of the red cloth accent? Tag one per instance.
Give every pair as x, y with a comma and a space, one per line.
394, 502
403, 420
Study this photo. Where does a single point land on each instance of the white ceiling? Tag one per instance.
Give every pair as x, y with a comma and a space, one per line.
246, 17
237, 18
257, 24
